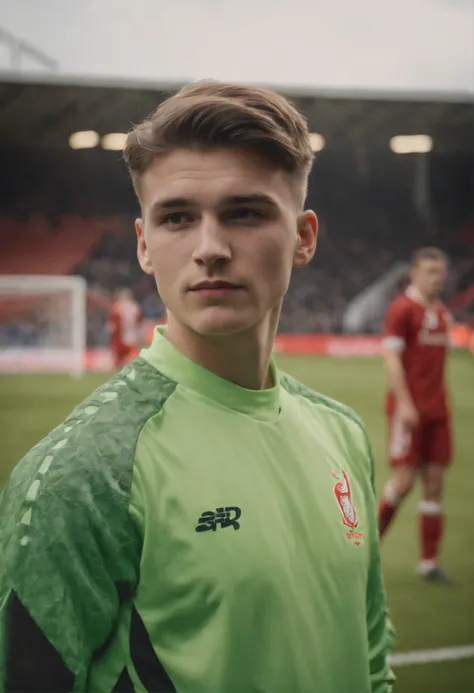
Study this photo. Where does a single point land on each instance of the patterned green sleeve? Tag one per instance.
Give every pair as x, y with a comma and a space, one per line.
69, 549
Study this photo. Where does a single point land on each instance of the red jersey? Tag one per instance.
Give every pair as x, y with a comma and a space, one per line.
421, 332
125, 323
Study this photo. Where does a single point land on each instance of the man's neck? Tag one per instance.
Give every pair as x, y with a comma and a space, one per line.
420, 296
242, 358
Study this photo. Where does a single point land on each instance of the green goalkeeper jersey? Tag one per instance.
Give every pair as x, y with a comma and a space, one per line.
180, 533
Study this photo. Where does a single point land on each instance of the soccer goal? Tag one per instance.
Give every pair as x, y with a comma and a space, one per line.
42, 324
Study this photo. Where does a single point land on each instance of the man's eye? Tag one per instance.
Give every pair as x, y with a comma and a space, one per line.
176, 219
244, 214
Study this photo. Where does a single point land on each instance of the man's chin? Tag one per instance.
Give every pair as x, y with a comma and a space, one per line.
221, 325
221, 330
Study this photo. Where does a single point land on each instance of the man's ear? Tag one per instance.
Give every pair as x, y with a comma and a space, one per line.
306, 240
142, 250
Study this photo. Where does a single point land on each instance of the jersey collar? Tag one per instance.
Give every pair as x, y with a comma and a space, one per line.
166, 358
415, 295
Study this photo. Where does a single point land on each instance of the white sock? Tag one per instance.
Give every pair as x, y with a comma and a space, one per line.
429, 508
425, 566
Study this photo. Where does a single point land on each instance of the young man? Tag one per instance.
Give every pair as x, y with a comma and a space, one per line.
125, 327
416, 341
203, 523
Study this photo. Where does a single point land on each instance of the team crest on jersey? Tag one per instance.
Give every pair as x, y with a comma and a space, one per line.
430, 319
343, 493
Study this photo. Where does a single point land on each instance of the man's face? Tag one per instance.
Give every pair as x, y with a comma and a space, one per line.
221, 231
429, 276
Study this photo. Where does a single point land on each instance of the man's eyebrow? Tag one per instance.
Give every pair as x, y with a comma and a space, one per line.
251, 198
171, 203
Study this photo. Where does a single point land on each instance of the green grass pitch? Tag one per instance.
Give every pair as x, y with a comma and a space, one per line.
426, 616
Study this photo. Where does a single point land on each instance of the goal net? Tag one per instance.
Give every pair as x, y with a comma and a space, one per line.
42, 324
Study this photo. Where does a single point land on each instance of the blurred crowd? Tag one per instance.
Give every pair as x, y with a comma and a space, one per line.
318, 294
371, 216
369, 220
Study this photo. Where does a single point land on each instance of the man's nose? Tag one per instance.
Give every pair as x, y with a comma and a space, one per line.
212, 243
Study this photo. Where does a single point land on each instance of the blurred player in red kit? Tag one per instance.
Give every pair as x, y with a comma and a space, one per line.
126, 327
415, 343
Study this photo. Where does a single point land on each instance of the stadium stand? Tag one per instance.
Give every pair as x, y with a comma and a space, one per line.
37, 247
65, 211
359, 241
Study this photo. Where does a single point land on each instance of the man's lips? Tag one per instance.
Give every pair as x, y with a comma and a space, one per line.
217, 285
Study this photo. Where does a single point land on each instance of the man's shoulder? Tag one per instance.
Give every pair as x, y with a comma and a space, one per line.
344, 414
443, 309
342, 426
401, 304
97, 440
119, 408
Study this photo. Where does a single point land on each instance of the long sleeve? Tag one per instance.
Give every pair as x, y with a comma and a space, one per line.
69, 557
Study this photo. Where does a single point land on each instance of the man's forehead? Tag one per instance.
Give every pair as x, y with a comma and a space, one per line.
428, 262
211, 177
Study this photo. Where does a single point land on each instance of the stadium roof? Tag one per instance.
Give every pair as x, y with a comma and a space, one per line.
41, 111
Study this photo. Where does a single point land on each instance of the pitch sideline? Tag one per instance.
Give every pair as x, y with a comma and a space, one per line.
442, 654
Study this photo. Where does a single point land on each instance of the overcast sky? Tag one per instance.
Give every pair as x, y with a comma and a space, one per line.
370, 44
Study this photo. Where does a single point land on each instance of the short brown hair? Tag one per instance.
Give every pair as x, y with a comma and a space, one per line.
209, 115
428, 253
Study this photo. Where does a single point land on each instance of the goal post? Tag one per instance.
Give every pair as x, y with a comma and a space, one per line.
43, 325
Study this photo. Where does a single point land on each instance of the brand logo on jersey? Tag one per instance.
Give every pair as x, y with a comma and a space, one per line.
225, 517
433, 338
343, 493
